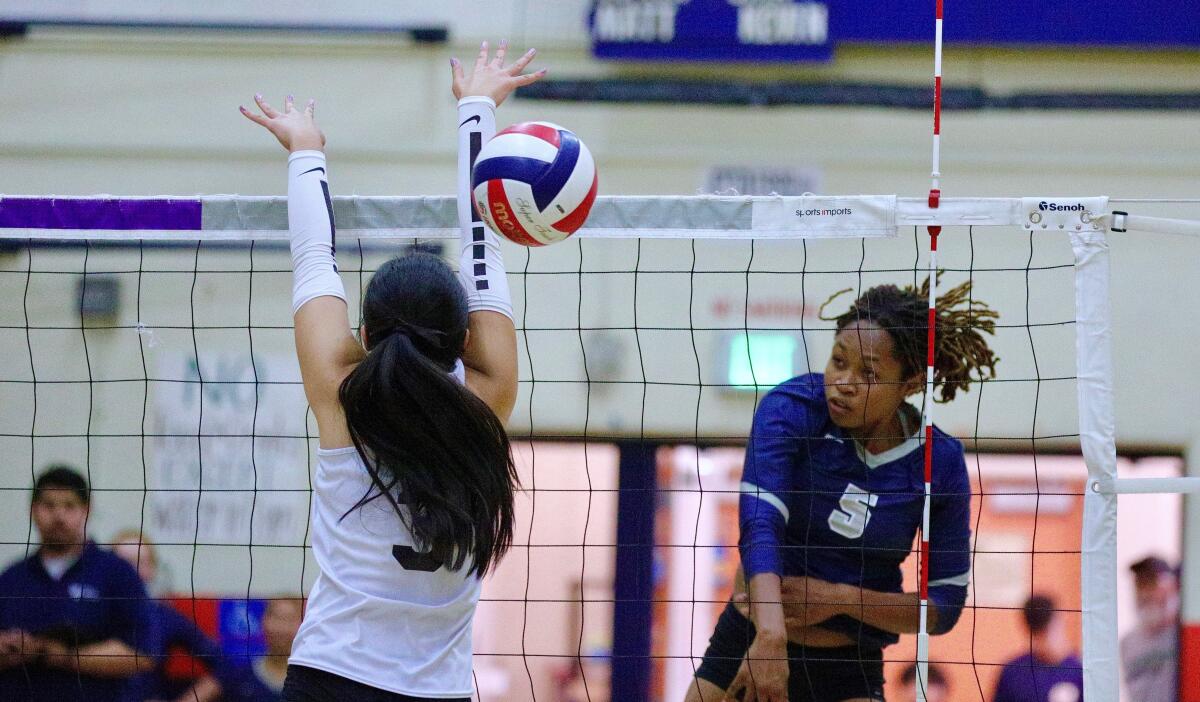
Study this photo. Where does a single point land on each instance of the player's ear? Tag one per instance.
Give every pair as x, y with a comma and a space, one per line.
914, 384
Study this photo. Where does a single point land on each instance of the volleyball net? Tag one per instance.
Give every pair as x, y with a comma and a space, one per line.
148, 342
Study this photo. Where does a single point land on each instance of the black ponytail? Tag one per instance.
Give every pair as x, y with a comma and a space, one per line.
434, 450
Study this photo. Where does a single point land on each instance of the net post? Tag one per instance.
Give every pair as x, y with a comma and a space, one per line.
1098, 564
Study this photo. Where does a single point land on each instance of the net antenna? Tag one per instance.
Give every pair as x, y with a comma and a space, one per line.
935, 195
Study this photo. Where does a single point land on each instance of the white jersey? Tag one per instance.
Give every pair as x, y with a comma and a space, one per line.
369, 618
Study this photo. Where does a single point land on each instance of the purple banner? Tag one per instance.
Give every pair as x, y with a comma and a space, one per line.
88, 213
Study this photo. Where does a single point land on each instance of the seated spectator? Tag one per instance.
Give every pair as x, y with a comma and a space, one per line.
74, 621
1050, 672
262, 680
1150, 652
177, 632
937, 688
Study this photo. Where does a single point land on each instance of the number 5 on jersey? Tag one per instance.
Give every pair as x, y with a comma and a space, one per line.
853, 513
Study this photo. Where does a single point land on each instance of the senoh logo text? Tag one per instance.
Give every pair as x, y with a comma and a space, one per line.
1056, 207
816, 212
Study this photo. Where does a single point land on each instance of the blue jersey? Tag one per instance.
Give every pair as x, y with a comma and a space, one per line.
814, 503
99, 597
1027, 679
175, 631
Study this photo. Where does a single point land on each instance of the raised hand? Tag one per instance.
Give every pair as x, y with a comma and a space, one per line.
295, 129
490, 77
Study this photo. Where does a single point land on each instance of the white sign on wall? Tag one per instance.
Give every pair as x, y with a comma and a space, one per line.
228, 457
762, 180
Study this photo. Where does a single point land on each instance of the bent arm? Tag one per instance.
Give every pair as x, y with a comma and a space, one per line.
897, 612
491, 354
763, 513
949, 562
111, 658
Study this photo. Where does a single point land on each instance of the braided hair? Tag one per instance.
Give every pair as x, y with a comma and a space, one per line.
961, 354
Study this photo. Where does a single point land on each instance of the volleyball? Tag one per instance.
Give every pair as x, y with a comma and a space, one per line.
534, 183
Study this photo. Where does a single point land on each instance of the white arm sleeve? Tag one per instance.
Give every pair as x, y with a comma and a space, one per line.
480, 264
310, 223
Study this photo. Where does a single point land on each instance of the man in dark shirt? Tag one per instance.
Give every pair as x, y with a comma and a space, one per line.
1050, 672
73, 618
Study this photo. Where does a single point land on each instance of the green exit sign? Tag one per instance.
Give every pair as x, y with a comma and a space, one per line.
762, 359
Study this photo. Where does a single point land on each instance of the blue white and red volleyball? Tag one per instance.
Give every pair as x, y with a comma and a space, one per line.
534, 183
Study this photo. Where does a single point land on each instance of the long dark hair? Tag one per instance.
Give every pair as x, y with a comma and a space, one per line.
434, 451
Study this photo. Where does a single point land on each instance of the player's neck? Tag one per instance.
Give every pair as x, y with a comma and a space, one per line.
882, 437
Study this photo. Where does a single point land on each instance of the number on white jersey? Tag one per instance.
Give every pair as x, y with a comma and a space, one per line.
411, 559
855, 511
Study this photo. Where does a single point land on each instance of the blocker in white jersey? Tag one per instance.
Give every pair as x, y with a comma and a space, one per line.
378, 612
413, 493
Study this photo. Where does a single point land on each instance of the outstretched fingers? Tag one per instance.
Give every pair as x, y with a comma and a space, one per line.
255, 118
501, 52
520, 64
266, 108
530, 78
482, 60
457, 78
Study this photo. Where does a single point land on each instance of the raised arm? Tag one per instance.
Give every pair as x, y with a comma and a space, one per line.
325, 346
491, 354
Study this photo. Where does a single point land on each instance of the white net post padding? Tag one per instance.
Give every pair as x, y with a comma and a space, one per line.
1097, 438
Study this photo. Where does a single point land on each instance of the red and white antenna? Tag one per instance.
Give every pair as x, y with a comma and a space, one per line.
935, 194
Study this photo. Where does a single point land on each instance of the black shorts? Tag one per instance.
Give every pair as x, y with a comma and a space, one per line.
304, 684
816, 674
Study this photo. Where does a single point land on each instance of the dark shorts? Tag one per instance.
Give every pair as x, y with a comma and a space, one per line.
311, 685
817, 674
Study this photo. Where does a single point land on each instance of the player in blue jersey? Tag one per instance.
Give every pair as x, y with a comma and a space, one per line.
832, 498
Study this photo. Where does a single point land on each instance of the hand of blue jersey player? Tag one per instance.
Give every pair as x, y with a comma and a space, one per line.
490, 77
808, 601
763, 675
897, 612
802, 619
295, 129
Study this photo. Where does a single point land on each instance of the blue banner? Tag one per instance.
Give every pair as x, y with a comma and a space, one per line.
809, 30
711, 30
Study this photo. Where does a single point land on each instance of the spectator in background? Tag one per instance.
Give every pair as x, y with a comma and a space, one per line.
262, 680
937, 688
176, 632
1150, 652
1050, 672
74, 621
